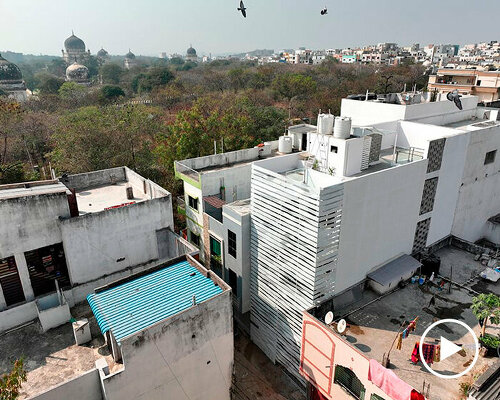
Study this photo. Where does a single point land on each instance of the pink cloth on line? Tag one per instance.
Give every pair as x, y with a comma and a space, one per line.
388, 382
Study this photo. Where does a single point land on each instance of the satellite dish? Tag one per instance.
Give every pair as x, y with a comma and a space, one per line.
341, 325
329, 318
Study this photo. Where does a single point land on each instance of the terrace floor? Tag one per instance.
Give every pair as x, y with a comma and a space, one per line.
373, 324
51, 358
102, 197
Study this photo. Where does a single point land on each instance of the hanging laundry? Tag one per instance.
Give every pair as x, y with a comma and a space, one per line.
428, 353
388, 381
400, 341
437, 353
410, 328
415, 356
416, 395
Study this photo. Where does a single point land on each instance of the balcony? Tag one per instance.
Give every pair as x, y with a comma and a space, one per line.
187, 174
181, 205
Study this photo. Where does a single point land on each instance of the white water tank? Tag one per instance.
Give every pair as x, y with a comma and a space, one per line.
285, 144
325, 124
342, 128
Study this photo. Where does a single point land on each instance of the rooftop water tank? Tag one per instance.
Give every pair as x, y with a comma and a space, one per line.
285, 144
342, 128
325, 124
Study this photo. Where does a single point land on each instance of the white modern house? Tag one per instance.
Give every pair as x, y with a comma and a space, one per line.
388, 179
60, 239
344, 203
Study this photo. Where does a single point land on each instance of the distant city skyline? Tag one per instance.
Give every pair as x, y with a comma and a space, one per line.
153, 26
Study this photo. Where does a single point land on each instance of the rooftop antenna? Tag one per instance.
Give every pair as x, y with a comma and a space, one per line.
404, 89
366, 98
72, 32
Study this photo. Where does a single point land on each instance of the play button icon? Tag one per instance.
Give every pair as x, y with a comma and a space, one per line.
448, 348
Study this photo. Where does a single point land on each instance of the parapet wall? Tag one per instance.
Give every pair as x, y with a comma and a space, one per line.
95, 178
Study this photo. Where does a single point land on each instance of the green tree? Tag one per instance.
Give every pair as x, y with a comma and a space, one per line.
290, 85
92, 138
176, 61
92, 63
71, 91
111, 73
152, 79
57, 67
48, 84
486, 307
111, 93
10, 383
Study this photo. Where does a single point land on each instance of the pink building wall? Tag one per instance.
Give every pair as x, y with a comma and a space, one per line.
321, 351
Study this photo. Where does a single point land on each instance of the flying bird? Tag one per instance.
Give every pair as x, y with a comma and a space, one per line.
455, 97
243, 9
324, 11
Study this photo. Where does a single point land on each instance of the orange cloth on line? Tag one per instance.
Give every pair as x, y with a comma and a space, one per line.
437, 353
400, 341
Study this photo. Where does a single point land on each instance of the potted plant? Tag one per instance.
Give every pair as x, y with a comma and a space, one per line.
491, 344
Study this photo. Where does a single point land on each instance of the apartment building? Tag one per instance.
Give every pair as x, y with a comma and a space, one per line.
389, 178
483, 84
77, 233
163, 332
217, 209
393, 177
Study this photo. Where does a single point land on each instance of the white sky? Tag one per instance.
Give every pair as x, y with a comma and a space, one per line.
151, 26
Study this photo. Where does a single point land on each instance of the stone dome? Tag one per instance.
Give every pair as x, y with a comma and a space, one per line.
9, 72
191, 51
74, 43
130, 55
77, 73
102, 53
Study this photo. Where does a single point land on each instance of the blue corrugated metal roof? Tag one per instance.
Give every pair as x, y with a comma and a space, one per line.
142, 302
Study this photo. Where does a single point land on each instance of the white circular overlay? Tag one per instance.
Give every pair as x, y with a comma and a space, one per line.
453, 321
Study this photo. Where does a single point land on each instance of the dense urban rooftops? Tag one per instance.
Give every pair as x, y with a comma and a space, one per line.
373, 322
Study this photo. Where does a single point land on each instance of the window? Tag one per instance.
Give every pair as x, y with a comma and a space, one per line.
214, 247
233, 282
215, 256
478, 83
193, 203
45, 265
347, 379
195, 239
10, 283
376, 397
231, 243
334, 149
490, 157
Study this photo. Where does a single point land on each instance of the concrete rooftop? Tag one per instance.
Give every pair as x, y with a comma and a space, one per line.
241, 207
373, 327
98, 198
52, 358
38, 188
